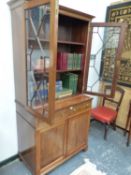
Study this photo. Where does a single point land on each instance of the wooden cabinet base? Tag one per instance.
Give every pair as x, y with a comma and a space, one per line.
59, 162
43, 147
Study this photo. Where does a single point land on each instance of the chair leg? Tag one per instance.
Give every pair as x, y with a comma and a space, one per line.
92, 120
127, 122
128, 139
129, 135
106, 130
114, 125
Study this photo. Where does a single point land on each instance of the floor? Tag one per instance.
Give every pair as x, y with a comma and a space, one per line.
111, 156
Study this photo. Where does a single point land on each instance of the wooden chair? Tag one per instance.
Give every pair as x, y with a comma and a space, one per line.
107, 113
128, 124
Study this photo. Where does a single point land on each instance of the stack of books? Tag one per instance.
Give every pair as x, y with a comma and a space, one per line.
60, 91
63, 93
69, 61
70, 81
59, 87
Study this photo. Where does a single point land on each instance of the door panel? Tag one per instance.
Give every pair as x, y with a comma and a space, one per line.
51, 145
105, 46
77, 132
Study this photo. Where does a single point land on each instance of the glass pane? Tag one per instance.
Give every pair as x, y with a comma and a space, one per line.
38, 57
105, 41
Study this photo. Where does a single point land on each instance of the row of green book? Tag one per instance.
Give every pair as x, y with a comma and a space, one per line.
70, 81
74, 61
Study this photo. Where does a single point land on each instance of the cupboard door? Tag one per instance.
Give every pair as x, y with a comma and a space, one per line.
41, 19
52, 145
104, 54
77, 132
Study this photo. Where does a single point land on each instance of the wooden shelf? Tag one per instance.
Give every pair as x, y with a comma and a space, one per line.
71, 70
71, 43
40, 71
59, 41
34, 39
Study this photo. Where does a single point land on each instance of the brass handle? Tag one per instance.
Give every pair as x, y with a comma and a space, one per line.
72, 108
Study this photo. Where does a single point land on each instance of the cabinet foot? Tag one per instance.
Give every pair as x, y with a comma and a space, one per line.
85, 149
20, 159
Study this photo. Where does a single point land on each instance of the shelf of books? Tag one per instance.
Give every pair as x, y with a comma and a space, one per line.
70, 58
69, 66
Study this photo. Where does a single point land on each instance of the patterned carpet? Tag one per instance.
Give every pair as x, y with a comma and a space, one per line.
112, 156
87, 168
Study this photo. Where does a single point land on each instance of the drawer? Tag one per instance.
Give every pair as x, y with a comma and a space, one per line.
72, 110
82, 106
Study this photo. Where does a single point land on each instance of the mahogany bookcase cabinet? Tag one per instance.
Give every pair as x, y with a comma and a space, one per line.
51, 61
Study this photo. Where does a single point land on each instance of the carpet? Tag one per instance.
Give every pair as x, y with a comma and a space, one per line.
87, 169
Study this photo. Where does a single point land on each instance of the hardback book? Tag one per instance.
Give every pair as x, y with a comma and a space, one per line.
69, 61
70, 81
64, 93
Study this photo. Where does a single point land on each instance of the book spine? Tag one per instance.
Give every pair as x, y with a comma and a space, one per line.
82, 61
74, 61
58, 60
68, 61
64, 61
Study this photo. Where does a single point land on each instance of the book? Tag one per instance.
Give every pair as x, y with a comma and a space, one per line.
64, 93
59, 60
69, 61
70, 81
64, 60
59, 86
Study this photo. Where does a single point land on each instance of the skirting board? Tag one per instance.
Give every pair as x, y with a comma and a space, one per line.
9, 160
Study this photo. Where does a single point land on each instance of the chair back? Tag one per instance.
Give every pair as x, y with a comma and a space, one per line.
117, 99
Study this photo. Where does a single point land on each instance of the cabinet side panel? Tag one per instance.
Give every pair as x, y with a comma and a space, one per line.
26, 142
26, 115
18, 31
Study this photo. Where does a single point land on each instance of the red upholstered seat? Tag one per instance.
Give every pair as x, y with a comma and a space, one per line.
107, 115
104, 114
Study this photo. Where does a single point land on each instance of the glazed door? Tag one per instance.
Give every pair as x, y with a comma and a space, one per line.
104, 54
41, 46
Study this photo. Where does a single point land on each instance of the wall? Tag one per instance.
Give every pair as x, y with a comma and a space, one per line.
8, 131
96, 8
8, 134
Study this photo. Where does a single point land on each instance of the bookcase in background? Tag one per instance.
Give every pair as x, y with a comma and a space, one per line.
51, 61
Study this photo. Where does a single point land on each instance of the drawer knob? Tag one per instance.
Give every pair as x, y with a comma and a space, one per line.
72, 108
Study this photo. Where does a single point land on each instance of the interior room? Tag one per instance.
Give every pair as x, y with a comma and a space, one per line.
65, 87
